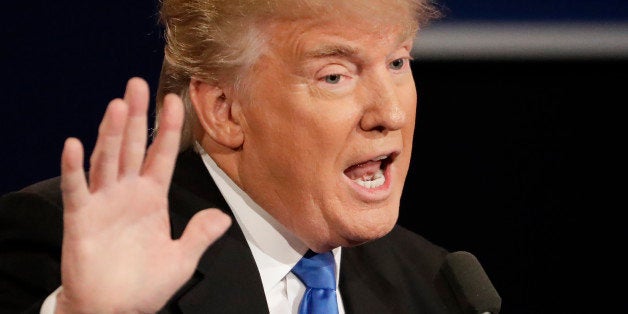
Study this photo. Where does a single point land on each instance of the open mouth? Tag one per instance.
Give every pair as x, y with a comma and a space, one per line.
370, 174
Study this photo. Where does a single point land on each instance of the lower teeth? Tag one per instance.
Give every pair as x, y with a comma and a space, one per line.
375, 181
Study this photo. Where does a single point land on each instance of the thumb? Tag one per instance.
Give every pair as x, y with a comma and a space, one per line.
204, 228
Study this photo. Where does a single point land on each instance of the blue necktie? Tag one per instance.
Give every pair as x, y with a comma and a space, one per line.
316, 271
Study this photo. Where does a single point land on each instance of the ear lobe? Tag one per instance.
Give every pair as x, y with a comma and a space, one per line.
214, 112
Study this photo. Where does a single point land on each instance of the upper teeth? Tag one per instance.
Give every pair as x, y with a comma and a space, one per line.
378, 158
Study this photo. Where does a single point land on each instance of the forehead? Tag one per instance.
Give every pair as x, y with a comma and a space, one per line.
369, 9
322, 29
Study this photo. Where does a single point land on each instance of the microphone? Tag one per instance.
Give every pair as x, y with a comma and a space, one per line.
464, 286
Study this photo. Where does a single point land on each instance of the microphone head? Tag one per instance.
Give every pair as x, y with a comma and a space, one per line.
467, 285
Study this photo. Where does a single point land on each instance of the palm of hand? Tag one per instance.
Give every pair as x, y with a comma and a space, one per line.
118, 255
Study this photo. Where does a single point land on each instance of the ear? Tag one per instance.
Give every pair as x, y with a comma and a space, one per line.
214, 111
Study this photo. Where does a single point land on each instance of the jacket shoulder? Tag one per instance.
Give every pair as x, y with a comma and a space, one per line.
405, 253
32, 210
30, 245
393, 274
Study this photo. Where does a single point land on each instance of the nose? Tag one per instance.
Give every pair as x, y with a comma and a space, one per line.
384, 110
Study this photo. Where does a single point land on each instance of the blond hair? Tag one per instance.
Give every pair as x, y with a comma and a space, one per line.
216, 41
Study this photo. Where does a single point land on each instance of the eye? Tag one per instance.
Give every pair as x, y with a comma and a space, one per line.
398, 64
333, 78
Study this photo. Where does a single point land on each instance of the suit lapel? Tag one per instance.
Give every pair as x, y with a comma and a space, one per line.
226, 279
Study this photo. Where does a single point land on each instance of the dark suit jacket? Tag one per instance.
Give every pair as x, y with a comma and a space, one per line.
391, 275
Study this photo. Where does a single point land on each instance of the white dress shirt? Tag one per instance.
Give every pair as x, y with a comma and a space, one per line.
275, 249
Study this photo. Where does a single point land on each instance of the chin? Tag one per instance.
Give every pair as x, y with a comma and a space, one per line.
360, 232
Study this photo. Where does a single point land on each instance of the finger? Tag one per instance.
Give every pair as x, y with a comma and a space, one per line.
162, 154
134, 140
104, 161
73, 183
204, 228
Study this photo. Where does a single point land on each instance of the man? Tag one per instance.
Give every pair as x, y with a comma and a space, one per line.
299, 117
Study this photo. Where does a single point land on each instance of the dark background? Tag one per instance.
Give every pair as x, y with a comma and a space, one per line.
507, 153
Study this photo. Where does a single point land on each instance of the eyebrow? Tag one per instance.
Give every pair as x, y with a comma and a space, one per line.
340, 50
332, 51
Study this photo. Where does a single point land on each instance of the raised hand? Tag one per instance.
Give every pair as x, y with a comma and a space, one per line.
118, 255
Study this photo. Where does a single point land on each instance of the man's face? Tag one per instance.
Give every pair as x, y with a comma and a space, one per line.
328, 122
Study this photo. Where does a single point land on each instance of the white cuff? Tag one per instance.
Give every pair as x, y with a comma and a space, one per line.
50, 304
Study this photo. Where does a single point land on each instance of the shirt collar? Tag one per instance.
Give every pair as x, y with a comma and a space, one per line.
275, 249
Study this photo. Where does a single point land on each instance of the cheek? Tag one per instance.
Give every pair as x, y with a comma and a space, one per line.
318, 130
408, 97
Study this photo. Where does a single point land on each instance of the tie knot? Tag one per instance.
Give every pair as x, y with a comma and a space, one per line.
316, 270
